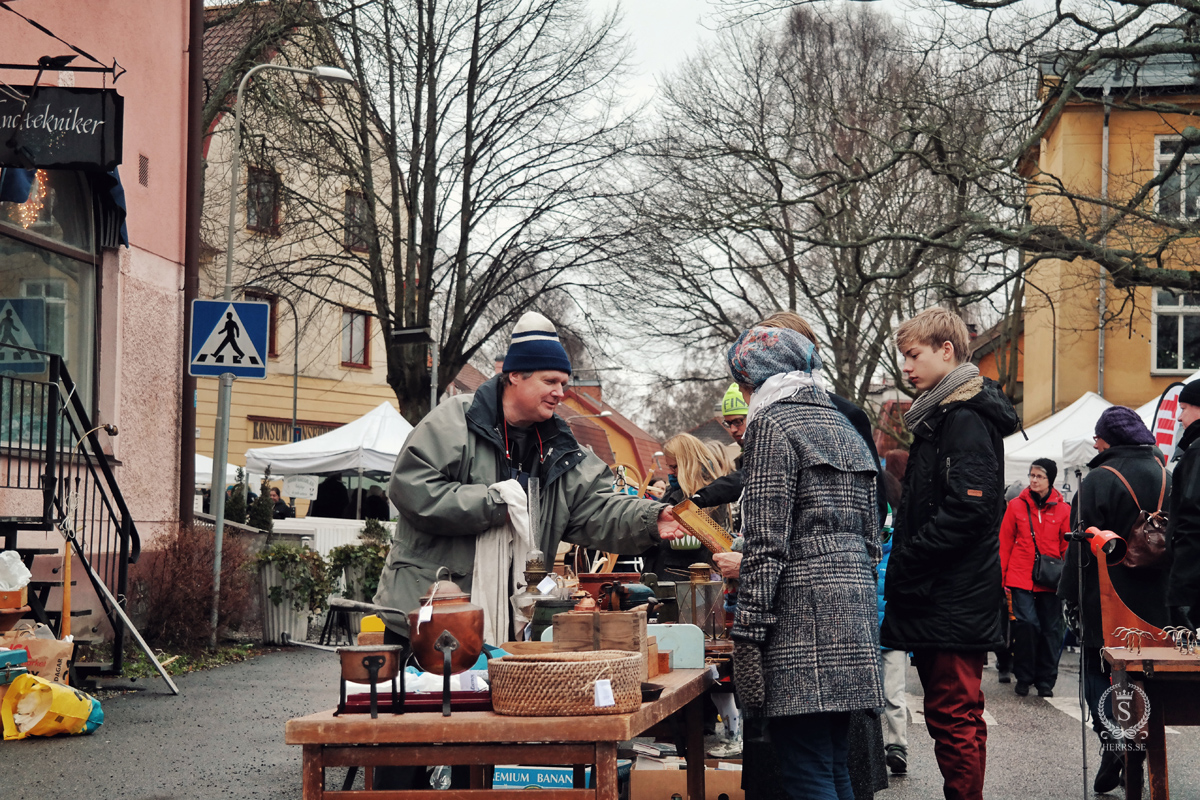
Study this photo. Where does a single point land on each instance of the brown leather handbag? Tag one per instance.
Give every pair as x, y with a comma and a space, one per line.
1147, 539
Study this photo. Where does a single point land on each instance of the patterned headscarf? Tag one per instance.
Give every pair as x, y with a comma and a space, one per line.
760, 353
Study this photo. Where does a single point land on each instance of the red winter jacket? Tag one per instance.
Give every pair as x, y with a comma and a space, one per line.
1051, 523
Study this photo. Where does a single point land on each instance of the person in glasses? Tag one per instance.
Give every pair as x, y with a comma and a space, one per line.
1036, 521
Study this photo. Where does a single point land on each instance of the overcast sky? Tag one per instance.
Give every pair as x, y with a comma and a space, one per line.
662, 32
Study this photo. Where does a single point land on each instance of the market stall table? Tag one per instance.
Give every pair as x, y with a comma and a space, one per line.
482, 738
1171, 681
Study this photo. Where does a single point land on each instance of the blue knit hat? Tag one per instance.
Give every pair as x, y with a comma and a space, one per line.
535, 346
760, 353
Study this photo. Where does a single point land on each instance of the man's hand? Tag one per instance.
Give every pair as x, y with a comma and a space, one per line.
730, 564
669, 527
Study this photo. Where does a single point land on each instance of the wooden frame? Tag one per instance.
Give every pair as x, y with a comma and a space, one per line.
482, 739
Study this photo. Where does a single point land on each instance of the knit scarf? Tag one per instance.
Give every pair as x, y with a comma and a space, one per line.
933, 398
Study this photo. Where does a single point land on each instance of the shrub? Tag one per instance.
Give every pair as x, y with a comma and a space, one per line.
172, 588
305, 572
370, 555
235, 504
262, 510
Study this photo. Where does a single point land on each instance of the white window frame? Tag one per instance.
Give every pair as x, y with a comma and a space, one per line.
1191, 161
1180, 311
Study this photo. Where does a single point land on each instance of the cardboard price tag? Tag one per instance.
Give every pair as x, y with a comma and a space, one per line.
547, 584
604, 694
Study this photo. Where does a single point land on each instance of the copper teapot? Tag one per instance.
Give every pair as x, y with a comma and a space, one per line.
450, 611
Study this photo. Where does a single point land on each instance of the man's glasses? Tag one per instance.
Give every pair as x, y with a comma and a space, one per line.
737, 423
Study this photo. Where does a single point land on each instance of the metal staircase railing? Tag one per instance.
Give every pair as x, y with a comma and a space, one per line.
48, 443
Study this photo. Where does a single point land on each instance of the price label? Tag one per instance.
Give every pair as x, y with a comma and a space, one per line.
425, 614
604, 694
547, 584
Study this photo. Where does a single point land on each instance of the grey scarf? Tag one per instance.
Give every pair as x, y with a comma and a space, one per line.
933, 398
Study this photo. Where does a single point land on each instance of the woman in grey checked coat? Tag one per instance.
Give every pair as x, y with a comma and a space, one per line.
807, 649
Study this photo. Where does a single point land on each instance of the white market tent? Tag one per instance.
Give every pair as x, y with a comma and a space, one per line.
1047, 438
204, 468
368, 444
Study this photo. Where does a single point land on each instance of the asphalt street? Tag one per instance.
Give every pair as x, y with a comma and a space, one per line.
223, 738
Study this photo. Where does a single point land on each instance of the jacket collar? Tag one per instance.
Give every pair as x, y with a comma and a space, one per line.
1053, 499
1120, 451
484, 417
1190, 434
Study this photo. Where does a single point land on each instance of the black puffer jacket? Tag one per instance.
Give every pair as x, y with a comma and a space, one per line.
943, 579
1183, 589
1103, 502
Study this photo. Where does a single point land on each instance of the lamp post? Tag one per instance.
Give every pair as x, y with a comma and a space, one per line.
601, 415
225, 393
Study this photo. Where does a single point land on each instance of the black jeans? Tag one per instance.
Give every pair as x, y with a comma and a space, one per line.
1037, 637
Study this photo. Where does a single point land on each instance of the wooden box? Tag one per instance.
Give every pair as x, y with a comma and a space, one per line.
603, 630
15, 598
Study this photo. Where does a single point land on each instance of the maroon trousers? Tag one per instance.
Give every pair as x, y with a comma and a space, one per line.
954, 718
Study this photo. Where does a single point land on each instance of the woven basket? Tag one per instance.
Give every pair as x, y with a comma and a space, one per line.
563, 684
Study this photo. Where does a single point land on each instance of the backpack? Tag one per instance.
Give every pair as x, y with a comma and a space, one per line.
1146, 542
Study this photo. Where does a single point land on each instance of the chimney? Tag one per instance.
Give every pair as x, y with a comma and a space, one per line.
499, 365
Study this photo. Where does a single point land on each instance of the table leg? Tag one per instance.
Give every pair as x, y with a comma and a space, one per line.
606, 771
314, 773
694, 720
1156, 745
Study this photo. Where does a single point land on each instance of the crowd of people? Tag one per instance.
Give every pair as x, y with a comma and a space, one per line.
849, 566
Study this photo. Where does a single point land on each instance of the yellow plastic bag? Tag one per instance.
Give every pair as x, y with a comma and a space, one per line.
34, 706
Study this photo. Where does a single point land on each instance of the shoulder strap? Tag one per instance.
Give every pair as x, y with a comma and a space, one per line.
1129, 488
1032, 535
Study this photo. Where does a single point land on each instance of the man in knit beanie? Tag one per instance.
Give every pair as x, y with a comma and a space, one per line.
474, 455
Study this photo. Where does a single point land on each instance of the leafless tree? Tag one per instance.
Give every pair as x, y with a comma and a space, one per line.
792, 171
454, 191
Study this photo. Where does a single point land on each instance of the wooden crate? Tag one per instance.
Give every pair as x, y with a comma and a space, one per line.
603, 630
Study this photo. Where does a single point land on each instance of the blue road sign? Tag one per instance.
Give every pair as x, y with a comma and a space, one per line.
23, 324
229, 337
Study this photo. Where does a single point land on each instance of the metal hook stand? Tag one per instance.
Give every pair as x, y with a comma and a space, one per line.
446, 644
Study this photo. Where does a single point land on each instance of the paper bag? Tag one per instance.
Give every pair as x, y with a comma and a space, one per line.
48, 658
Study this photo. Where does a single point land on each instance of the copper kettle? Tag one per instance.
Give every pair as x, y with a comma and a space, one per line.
450, 611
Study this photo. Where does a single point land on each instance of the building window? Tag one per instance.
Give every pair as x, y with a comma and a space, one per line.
358, 222
1176, 332
270, 300
1178, 195
262, 200
356, 338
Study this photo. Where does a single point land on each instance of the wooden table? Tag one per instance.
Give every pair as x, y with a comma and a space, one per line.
483, 738
1171, 681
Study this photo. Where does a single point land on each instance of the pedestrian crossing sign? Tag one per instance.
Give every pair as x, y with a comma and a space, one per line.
22, 325
229, 337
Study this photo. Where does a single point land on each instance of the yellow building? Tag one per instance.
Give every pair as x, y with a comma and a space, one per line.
1148, 338
340, 360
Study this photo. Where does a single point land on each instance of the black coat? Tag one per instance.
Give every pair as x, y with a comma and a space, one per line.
1103, 502
942, 584
1183, 531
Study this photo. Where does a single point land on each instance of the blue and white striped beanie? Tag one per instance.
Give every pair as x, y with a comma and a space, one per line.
535, 346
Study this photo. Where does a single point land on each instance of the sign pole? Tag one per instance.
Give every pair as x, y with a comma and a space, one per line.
220, 457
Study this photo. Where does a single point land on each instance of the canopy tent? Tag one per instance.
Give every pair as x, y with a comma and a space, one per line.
204, 468
368, 444
1048, 438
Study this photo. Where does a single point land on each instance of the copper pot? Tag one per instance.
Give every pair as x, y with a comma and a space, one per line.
451, 610
355, 661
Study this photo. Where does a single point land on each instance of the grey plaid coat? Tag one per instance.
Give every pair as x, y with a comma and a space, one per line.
807, 591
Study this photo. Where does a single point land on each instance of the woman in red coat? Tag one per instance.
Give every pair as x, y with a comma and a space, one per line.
1039, 511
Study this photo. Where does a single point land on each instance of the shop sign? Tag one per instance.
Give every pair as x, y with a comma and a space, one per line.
61, 128
279, 431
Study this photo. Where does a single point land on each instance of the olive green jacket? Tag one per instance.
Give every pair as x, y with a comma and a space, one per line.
441, 486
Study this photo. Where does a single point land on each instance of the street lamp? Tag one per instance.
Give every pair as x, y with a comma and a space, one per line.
601, 415
225, 394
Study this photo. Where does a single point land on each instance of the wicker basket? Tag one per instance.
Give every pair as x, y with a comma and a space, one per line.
563, 684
